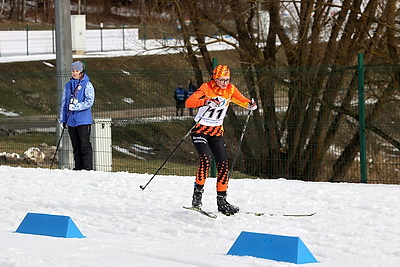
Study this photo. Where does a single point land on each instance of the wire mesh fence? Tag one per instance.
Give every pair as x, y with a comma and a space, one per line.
35, 41
306, 127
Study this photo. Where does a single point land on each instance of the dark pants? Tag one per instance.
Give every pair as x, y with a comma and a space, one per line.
80, 139
180, 105
215, 145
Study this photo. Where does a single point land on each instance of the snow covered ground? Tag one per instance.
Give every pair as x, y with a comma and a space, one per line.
355, 224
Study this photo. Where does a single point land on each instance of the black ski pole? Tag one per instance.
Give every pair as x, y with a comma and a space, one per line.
58, 146
62, 133
173, 151
59, 141
240, 142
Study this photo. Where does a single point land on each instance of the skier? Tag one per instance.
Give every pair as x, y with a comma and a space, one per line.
76, 113
207, 136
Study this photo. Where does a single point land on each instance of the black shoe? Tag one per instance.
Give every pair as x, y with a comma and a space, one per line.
197, 194
224, 207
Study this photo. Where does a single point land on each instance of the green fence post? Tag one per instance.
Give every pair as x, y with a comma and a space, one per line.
213, 171
101, 36
214, 62
361, 118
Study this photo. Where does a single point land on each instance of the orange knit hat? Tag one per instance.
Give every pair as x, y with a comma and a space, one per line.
221, 71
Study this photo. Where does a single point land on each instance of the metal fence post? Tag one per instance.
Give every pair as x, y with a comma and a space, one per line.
53, 38
27, 39
123, 37
361, 117
101, 36
213, 170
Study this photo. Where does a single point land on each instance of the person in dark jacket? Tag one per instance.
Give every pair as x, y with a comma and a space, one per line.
180, 96
76, 113
191, 89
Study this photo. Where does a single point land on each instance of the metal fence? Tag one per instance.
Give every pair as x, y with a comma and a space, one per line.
139, 108
36, 42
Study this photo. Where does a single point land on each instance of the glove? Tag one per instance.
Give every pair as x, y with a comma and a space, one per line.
63, 125
252, 105
71, 107
212, 103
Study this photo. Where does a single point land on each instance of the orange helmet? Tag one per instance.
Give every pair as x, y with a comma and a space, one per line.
221, 71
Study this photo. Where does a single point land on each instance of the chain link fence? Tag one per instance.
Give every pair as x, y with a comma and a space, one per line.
137, 126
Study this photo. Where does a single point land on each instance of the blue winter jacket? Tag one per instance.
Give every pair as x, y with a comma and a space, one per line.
83, 90
180, 94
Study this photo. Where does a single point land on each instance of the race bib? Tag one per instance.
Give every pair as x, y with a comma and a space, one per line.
214, 116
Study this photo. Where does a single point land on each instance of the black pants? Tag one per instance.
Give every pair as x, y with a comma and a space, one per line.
180, 105
215, 145
80, 139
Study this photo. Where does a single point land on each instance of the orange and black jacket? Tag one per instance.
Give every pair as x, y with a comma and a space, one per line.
212, 123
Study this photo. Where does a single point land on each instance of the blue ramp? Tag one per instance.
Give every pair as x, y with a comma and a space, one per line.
272, 247
49, 225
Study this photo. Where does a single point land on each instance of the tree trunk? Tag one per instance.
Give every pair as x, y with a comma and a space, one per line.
13, 16
2, 8
106, 6
23, 11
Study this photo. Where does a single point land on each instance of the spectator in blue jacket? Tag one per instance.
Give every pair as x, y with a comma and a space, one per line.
180, 96
76, 113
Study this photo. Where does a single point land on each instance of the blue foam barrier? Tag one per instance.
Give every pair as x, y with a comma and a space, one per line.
272, 247
49, 225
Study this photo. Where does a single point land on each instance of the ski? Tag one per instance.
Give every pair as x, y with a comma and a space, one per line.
284, 215
211, 215
201, 211
300, 215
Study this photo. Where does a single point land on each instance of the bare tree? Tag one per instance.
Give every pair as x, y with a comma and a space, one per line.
2, 7
13, 16
23, 11
106, 6
48, 10
17, 10
316, 38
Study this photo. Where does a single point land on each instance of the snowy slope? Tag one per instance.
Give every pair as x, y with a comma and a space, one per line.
355, 224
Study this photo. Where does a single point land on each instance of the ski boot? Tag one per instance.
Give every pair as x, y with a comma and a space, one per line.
197, 194
224, 207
